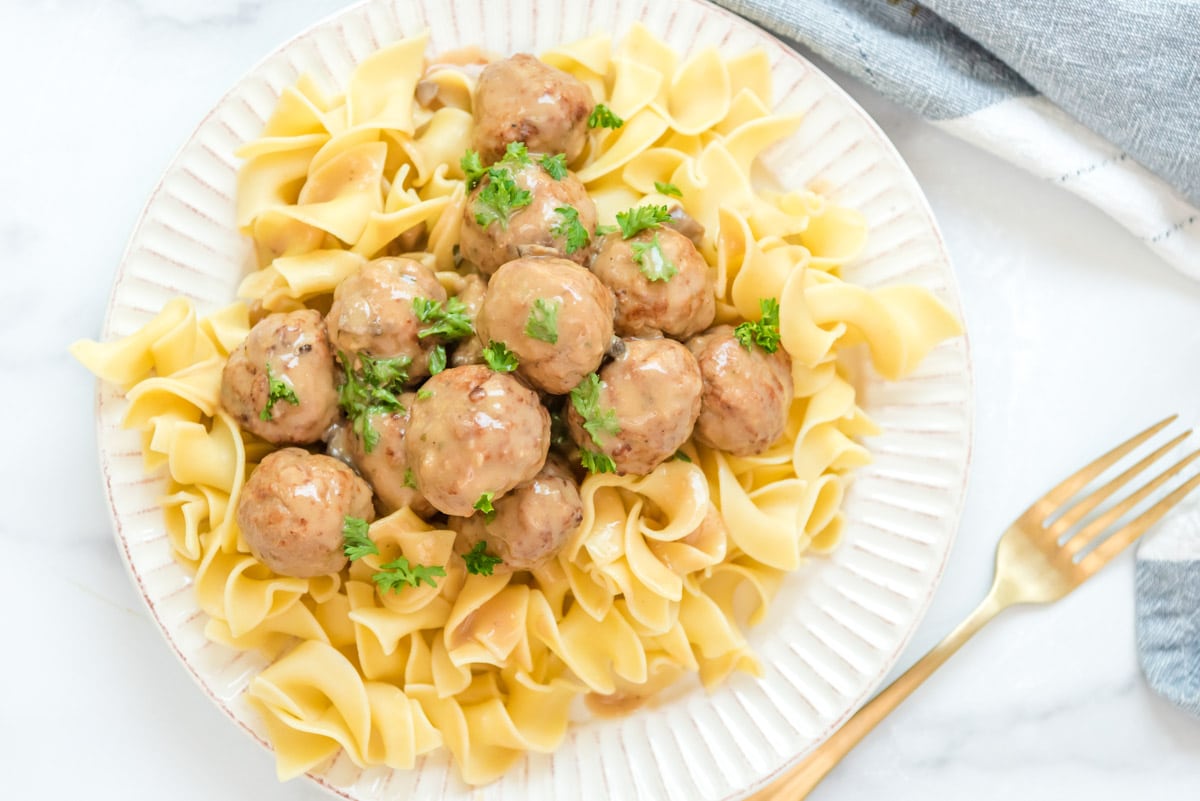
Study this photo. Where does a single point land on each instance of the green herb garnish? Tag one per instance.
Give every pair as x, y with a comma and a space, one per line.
515, 155
374, 388
651, 260
596, 462
683, 457
603, 117
640, 218
479, 561
397, 575
542, 322
570, 228
277, 390
484, 504
472, 167
451, 321
605, 230
555, 166
765, 332
499, 357
410, 479
424, 393
356, 542
586, 399
667, 189
437, 360
498, 200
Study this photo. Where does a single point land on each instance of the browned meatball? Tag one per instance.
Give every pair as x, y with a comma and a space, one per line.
747, 393
652, 390
679, 306
470, 350
555, 315
280, 383
532, 523
536, 229
292, 508
521, 99
373, 313
385, 465
475, 431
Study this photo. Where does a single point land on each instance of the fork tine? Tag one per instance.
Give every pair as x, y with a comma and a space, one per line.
1056, 497
1136, 528
1090, 502
1095, 528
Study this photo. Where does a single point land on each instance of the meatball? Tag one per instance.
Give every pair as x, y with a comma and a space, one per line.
652, 390
475, 431
280, 383
470, 350
554, 315
678, 307
521, 99
747, 393
373, 312
532, 523
292, 508
537, 229
385, 465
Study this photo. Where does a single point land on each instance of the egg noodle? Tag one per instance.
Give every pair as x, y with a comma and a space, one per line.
643, 593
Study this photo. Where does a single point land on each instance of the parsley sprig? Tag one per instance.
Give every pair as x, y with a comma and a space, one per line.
571, 229
357, 542
479, 561
499, 357
484, 504
667, 189
394, 575
277, 390
765, 332
555, 166
398, 574
497, 201
542, 322
472, 167
651, 260
374, 388
640, 218
596, 421
602, 117
450, 320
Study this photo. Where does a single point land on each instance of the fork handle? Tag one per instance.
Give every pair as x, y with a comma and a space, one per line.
799, 781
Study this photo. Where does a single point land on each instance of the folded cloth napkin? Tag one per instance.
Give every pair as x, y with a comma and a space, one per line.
1101, 96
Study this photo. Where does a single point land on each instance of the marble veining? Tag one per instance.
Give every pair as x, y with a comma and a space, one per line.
1079, 336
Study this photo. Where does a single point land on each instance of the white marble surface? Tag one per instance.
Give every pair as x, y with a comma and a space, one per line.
1080, 337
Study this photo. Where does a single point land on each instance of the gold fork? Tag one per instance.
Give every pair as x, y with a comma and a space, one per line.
1034, 564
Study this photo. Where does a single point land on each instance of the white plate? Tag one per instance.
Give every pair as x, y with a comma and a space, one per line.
837, 626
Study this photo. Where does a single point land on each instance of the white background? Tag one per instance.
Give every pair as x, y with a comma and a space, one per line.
1080, 337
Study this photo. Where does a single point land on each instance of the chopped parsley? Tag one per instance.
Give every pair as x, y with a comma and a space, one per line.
397, 575
596, 462
472, 168
555, 166
653, 263
277, 390
683, 457
356, 541
410, 479
765, 332
571, 229
603, 117
424, 393
451, 320
640, 218
667, 189
499, 357
479, 561
497, 201
374, 388
586, 400
515, 155
484, 504
542, 322
605, 230
437, 360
